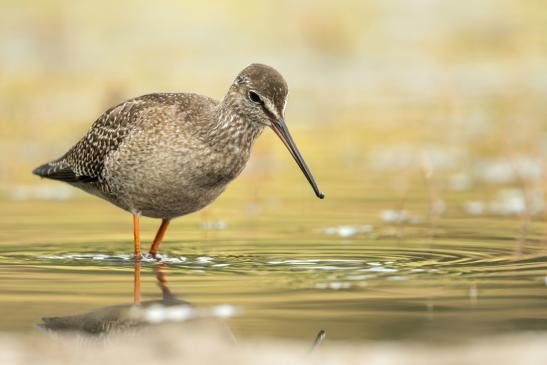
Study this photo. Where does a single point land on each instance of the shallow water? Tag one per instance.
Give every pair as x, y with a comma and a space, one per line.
287, 267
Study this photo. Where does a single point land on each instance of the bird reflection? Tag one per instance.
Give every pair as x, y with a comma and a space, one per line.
125, 317
119, 318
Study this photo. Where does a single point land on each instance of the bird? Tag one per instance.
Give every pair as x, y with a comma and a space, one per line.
165, 155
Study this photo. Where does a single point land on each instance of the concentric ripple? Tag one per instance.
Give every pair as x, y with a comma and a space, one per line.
355, 281
363, 262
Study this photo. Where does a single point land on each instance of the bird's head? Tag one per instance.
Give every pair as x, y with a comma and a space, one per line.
260, 93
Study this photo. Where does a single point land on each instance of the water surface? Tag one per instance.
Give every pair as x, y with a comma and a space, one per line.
287, 267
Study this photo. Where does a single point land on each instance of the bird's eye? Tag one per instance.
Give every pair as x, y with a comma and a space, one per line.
253, 96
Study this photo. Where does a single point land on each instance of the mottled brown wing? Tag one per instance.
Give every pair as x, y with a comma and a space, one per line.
85, 160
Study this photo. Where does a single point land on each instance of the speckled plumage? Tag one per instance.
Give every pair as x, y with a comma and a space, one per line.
163, 155
167, 155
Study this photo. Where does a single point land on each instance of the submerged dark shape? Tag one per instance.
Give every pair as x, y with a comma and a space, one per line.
167, 155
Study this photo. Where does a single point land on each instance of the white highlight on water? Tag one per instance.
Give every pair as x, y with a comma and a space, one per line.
158, 313
348, 231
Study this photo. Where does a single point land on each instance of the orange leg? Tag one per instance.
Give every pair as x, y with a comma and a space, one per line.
136, 236
137, 282
161, 277
159, 237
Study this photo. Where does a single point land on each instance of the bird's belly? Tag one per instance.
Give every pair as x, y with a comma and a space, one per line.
175, 203
167, 198
166, 188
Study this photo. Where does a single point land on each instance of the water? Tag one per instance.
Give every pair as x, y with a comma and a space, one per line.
383, 266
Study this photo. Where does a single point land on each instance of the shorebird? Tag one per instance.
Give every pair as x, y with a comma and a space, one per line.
165, 155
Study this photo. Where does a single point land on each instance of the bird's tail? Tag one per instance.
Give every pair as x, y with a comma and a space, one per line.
58, 170
45, 170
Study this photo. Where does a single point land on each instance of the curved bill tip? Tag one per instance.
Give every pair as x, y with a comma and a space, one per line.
320, 195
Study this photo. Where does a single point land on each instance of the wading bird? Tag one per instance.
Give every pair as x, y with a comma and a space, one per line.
166, 155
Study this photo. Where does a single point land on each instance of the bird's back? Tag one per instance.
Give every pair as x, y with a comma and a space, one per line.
84, 162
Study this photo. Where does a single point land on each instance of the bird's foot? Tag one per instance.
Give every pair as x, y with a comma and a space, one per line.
147, 257
151, 256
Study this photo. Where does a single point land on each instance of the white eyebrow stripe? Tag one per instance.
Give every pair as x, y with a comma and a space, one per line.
270, 107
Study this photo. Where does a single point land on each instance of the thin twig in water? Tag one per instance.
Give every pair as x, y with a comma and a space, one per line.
318, 340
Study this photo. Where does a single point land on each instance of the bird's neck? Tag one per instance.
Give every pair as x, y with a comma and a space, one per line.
231, 127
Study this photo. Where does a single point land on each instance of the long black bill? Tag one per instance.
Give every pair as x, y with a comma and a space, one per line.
280, 128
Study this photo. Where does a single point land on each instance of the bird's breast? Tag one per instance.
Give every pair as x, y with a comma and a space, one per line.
218, 168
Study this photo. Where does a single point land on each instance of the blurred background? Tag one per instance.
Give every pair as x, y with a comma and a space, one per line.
460, 79
424, 122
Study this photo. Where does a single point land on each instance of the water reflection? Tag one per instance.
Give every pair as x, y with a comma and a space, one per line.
118, 319
138, 314
362, 270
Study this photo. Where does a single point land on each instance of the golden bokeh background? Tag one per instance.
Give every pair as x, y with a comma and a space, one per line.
362, 74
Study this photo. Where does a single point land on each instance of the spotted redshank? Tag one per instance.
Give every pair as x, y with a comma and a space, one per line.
165, 155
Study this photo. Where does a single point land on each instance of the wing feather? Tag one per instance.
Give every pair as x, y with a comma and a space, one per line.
84, 162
